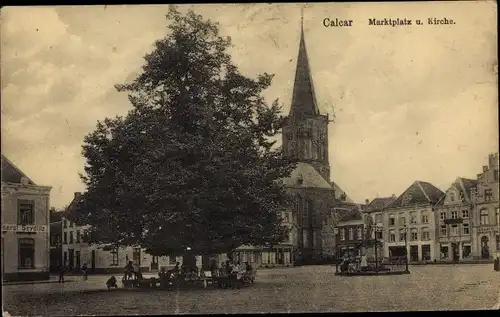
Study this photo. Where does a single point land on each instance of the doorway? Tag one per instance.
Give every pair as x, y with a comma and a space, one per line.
154, 263
78, 260
454, 252
414, 253
92, 262
71, 259
485, 250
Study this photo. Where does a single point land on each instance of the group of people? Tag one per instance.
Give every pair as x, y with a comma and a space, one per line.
63, 269
354, 264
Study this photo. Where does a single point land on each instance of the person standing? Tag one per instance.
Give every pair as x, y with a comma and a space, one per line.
62, 270
364, 262
85, 271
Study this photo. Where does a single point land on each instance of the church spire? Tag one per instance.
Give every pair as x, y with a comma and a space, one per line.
304, 99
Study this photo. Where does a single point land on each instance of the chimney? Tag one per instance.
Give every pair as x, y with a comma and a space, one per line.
77, 194
485, 168
52, 209
367, 201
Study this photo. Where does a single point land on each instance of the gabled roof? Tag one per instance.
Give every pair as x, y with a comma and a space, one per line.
339, 191
305, 176
379, 203
72, 211
464, 186
304, 103
355, 213
418, 193
11, 173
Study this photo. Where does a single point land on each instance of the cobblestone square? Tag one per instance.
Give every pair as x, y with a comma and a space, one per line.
299, 289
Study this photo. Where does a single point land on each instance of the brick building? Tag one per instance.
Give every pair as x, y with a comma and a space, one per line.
55, 240
409, 222
486, 223
454, 220
25, 226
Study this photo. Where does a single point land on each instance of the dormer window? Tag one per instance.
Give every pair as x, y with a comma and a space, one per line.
300, 180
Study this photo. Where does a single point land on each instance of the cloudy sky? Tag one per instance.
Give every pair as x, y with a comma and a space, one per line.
411, 103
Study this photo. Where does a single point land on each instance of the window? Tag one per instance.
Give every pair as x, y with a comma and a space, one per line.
351, 234
65, 237
286, 217
496, 175
26, 213
65, 258
465, 214
114, 256
425, 218
443, 215
378, 218
342, 234
425, 234
454, 214
78, 236
392, 220
65, 223
498, 217
378, 235
414, 235
454, 230
413, 218
484, 217
71, 237
465, 228
443, 231
71, 224
488, 194
402, 235
452, 196
392, 236
359, 233
402, 220
26, 253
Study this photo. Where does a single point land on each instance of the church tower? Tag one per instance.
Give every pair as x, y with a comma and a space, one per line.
305, 134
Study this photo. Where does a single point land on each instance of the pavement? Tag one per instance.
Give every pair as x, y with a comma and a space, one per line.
300, 289
497, 306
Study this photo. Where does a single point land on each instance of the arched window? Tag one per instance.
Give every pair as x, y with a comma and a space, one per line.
300, 208
452, 196
484, 217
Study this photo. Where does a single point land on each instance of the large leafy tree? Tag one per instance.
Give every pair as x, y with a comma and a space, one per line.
192, 164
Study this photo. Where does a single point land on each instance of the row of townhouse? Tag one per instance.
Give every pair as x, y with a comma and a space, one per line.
429, 225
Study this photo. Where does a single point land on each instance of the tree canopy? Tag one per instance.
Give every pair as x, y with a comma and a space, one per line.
192, 164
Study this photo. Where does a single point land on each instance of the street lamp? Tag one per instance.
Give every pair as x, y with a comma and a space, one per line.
377, 230
336, 233
405, 231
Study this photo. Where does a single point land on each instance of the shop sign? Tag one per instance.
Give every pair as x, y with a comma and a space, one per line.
24, 228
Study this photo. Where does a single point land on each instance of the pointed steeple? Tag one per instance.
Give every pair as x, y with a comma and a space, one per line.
303, 100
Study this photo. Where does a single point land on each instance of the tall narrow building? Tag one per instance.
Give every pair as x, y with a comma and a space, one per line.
305, 136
